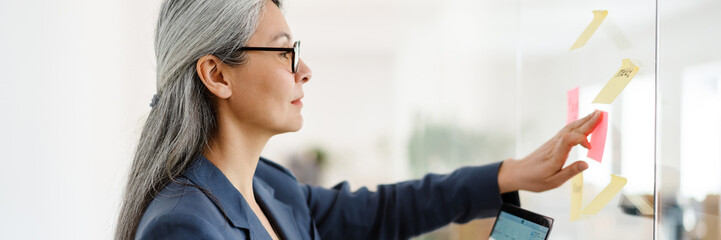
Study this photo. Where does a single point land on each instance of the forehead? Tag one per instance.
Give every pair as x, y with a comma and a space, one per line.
272, 26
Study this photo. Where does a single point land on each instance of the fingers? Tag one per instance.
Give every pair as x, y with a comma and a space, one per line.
589, 125
583, 121
567, 173
571, 139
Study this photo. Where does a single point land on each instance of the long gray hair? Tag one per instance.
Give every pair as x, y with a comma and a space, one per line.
182, 119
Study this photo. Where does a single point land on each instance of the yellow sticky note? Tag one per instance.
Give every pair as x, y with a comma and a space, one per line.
605, 196
598, 17
576, 196
618, 82
641, 204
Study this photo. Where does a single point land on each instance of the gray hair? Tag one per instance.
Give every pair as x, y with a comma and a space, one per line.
182, 120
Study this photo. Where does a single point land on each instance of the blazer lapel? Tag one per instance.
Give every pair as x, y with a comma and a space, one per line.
280, 213
228, 200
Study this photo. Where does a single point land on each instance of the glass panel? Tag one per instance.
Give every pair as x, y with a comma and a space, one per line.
403, 88
546, 70
689, 113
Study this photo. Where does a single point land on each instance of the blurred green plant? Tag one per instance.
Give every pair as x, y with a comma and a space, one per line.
442, 145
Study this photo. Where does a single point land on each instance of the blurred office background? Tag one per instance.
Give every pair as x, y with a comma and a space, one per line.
400, 88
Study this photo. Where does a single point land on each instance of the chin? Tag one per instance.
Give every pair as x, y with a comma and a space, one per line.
291, 127
298, 126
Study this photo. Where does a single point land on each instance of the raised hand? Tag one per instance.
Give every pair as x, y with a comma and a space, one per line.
543, 169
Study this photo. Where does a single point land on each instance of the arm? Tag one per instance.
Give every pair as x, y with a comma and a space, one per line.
406, 209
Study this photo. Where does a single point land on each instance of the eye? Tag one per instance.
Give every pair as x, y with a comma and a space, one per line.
284, 54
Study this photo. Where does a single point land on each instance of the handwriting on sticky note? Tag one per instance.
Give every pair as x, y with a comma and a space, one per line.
598, 17
572, 114
618, 82
603, 198
576, 196
598, 138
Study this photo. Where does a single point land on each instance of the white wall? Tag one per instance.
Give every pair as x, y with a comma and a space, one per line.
77, 78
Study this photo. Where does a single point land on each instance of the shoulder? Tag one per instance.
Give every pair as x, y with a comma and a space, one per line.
179, 225
182, 210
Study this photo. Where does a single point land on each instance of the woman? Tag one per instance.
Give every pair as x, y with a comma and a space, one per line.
229, 78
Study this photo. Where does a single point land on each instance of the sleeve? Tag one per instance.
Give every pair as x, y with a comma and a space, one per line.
179, 226
407, 209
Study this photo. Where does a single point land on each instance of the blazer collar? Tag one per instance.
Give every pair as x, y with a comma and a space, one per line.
229, 200
225, 196
276, 211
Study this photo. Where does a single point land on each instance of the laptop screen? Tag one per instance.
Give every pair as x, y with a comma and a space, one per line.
511, 227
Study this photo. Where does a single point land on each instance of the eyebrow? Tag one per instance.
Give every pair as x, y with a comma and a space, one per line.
282, 35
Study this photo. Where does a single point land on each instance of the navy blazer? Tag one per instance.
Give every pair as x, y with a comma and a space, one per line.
203, 204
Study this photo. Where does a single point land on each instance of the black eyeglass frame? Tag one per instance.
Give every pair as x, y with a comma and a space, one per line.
295, 50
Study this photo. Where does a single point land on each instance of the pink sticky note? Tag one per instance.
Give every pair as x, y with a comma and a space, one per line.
598, 138
572, 105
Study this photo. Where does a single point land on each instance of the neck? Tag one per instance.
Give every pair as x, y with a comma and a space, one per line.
235, 150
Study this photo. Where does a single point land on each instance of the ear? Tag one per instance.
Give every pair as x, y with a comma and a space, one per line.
209, 69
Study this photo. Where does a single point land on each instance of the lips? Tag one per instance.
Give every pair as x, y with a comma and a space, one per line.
297, 101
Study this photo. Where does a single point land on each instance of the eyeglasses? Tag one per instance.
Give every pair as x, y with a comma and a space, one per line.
295, 50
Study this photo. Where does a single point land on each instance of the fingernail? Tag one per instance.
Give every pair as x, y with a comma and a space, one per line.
582, 166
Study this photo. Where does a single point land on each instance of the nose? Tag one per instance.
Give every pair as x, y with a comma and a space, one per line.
304, 73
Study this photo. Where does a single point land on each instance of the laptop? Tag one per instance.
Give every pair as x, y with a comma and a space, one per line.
515, 223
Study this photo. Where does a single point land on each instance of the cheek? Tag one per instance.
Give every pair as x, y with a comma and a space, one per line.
263, 100
262, 93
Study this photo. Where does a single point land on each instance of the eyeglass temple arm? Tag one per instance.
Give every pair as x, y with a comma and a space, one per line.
267, 49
